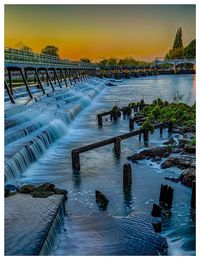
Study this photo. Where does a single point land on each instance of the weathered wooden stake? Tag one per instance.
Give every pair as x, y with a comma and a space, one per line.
146, 136
117, 145
166, 195
75, 160
140, 136
156, 211
131, 123
127, 175
193, 199
100, 121
161, 131
170, 127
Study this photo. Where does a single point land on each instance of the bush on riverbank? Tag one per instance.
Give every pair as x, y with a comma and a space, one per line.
180, 114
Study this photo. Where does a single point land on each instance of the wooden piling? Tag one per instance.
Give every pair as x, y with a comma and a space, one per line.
127, 175
99, 118
146, 136
170, 127
193, 198
117, 146
75, 160
131, 123
156, 211
161, 131
166, 196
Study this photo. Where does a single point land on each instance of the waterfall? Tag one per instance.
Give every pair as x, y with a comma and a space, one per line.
30, 130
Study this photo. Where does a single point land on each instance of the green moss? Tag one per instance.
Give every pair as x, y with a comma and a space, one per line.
147, 125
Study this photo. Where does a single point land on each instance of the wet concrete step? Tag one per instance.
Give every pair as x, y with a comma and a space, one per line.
29, 222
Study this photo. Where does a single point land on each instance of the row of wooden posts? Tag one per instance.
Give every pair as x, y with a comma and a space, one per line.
71, 75
115, 140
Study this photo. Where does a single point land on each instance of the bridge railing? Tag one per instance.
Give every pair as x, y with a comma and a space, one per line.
16, 56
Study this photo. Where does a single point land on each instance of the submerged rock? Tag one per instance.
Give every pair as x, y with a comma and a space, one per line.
182, 162
188, 176
46, 187
156, 152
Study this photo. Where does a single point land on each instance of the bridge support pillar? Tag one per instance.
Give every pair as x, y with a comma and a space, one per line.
26, 83
8, 91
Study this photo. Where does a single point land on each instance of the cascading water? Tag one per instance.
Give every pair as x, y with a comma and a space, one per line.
30, 133
100, 169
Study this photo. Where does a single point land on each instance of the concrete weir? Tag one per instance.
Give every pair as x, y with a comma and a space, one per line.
31, 224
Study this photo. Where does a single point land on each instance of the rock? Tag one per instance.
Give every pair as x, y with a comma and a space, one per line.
46, 187
182, 162
6, 192
136, 156
41, 194
101, 199
157, 159
170, 141
156, 152
26, 189
189, 176
60, 191
177, 150
190, 148
11, 187
174, 179
189, 135
156, 211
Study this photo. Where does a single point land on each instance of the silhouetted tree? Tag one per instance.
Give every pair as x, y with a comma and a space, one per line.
85, 60
190, 50
178, 43
50, 50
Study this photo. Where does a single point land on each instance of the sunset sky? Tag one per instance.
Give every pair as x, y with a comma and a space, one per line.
99, 31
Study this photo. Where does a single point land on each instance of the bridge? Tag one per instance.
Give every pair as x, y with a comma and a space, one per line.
41, 70
174, 62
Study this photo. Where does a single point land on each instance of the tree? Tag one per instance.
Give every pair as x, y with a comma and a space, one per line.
190, 50
23, 47
85, 60
112, 62
50, 50
178, 39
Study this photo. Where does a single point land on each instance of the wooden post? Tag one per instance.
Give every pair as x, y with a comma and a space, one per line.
166, 195
56, 75
193, 199
161, 131
170, 127
75, 160
117, 146
140, 136
156, 211
146, 136
131, 123
127, 175
100, 121
61, 72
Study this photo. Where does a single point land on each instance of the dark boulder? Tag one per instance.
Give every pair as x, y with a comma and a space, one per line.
182, 162
156, 152
189, 176
26, 189
46, 187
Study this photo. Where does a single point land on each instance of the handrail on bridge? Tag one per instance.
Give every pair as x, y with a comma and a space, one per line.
14, 56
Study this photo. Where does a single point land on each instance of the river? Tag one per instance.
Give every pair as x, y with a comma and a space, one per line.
68, 119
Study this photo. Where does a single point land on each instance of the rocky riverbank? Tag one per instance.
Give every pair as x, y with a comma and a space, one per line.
179, 151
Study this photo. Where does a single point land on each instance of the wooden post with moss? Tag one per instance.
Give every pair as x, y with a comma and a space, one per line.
170, 127
127, 175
